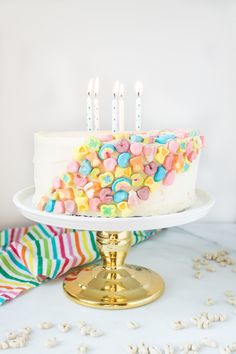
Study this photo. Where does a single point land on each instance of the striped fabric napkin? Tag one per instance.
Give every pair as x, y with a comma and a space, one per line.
29, 256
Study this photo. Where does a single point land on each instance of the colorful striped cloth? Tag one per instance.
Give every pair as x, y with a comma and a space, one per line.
29, 256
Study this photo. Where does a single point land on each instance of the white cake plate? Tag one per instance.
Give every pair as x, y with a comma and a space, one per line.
203, 203
113, 285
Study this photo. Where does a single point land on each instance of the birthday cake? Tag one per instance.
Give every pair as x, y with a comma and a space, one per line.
116, 174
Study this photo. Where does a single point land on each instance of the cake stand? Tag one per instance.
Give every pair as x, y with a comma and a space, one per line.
113, 284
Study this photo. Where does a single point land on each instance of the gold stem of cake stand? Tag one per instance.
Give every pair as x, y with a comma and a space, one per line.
113, 285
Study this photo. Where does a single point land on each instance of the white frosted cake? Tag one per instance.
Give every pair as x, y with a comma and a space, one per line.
116, 175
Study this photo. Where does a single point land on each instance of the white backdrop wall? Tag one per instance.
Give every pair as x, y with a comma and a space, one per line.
184, 51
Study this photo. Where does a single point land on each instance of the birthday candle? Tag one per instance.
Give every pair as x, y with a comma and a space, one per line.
89, 107
115, 108
96, 106
139, 91
121, 109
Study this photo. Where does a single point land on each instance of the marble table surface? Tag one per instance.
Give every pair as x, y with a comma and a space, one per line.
171, 255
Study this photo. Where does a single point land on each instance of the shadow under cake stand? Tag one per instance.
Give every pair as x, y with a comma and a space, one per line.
113, 284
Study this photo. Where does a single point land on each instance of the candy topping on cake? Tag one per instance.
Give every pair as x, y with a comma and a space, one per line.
110, 175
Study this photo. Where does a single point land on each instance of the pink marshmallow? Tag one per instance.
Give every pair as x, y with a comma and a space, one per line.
169, 179
189, 147
105, 137
136, 148
59, 207
70, 206
192, 156
110, 164
57, 182
106, 195
168, 162
203, 139
94, 204
149, 152
122, 145
73, 166
143, 193
173, 146
133, 199
150, 169
80, 182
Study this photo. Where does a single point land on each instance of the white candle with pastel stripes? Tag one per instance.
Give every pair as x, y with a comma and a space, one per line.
121, 109
89, 107
115, 108
139, 91
96, 106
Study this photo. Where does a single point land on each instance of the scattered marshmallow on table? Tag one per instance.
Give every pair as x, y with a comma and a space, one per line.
11, 335
132, 325
4, 345
82, 349
154, 350
143, 349
209, 342
132, 349
179, 325
64, 327
51, 342
45, 325
209, 302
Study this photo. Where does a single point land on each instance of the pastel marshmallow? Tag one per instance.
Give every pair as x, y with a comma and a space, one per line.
173, 146
169, 179
57, 182
150, 169
106, 195
160, 174
106, 179
122, 145
149, 152
59, 207
42, 203
50, 206
143, 193
123, 159
105, 137
110, 164
73, 166
70, 206
108, 211
136, 148
80, 182
137, 163
168, 162
85, 168
65, 193
120, 196
94, 204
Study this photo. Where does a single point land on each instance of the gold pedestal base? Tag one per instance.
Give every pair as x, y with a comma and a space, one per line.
113, 285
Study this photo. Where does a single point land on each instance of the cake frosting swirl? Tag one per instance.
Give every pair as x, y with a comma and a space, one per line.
116, 175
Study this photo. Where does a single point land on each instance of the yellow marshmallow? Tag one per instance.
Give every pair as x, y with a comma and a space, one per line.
95, 173
82, 203
161, 154
149, 182
80, 152
119, 136
123, 172
78, 193
124, 209
137, 180
55, 196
